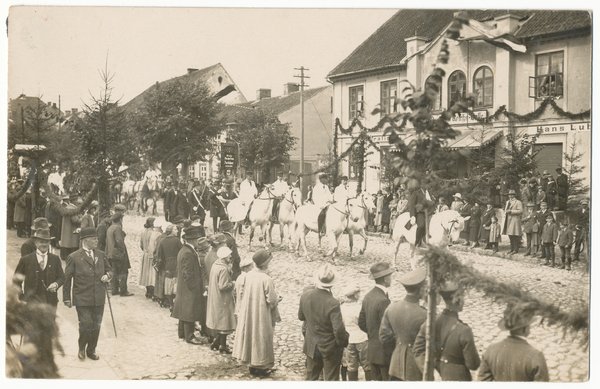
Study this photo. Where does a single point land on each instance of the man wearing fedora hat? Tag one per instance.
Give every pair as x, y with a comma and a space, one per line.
42, 271
513, 359
400, 325
369, 320
28, 246
226, 228
190, 305
116, 251
88, 270
454, 350
326, 335
513, 211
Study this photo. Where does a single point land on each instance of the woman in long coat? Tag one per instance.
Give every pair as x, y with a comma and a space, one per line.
168, 249
257, 317
191, 280
147, 273
475, 224
220, 311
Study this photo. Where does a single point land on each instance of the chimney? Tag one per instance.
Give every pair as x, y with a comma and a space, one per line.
290, 87
263, 94
413, 43
67, 113
74, 110
53, 105
191, 70
506, 24
49, 104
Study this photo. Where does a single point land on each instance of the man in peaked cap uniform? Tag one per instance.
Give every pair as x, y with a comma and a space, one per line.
513, 359
454, 350
42, 271
87, 270
400, 325
326, 335
369, 320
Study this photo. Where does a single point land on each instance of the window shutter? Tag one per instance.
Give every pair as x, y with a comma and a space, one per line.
532, 89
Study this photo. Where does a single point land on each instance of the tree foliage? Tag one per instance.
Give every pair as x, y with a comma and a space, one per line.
176, 123
573, 168
264, 141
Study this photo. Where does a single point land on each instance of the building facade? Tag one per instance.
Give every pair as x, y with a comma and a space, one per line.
514, 59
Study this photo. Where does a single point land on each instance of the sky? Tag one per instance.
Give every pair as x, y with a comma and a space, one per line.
59, 51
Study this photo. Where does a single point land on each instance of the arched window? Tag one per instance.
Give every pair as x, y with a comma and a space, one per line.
457, 87
437, 104
483, 87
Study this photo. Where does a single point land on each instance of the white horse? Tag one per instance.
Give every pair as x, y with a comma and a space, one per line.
287, 213
260, 213
365, 202
444, 227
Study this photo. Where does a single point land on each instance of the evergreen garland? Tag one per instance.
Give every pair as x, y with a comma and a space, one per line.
449, 267
532, 115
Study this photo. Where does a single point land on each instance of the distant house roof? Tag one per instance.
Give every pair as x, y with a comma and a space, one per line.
386, 47
195, 76
274, 105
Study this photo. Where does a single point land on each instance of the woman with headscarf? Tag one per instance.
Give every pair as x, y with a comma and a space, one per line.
257, 316
147, 273
220, 311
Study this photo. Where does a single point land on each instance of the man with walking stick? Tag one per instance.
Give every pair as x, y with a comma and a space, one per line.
88, 270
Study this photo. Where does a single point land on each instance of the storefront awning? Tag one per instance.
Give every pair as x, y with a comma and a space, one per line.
473, 139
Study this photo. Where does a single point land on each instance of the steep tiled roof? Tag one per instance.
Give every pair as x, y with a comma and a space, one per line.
197, 77
386, 47
275, 105
548, 22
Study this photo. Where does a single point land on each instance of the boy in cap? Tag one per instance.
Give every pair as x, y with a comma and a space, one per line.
358, 343
549, 235
326, 334
400, 326
565, 242
373, 306
513, 359
454, 350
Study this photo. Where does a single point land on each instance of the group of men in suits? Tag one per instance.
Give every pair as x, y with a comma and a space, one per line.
396, 333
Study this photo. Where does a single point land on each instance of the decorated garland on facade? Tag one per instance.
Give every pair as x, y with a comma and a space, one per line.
335, 149
447, 266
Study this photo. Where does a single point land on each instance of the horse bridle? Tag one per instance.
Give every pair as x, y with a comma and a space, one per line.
292, 199
269, 193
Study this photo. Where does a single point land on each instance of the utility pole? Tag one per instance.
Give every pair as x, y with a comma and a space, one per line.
22, 126
302, 85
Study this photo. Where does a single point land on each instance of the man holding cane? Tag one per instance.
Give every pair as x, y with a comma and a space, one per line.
88, 270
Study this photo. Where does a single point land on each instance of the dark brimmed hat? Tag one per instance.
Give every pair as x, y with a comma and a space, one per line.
120, 208
104, 215
178, 219
512, 192
325, 276
380, 269
195, 217
42, 233
87, 232
262, 257
344, 178
149, 222
413, 278
191, 232
225, 225
40, 222
549, 216
203, 242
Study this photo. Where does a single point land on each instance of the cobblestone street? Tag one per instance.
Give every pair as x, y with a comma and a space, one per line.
147, 346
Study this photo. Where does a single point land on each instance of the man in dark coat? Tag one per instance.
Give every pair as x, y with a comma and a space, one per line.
513, 359
400, 325
116, 251
88, 270
42, 271
101, 230
540, 217
180, 203
454, 350
369, 320
582, 228
326, 335
168, 200
192, 281
172, 203
486, 221
562, 184
226, 228
419, 200
195, 201
217, 209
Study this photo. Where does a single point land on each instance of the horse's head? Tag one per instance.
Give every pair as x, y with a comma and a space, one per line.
456, 225
295, 196
368, 201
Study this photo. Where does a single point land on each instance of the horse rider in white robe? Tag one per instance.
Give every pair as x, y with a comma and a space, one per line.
322, 197
279, 188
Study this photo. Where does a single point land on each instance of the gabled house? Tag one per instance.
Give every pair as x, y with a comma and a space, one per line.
517, 59
224, 90
318, 135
